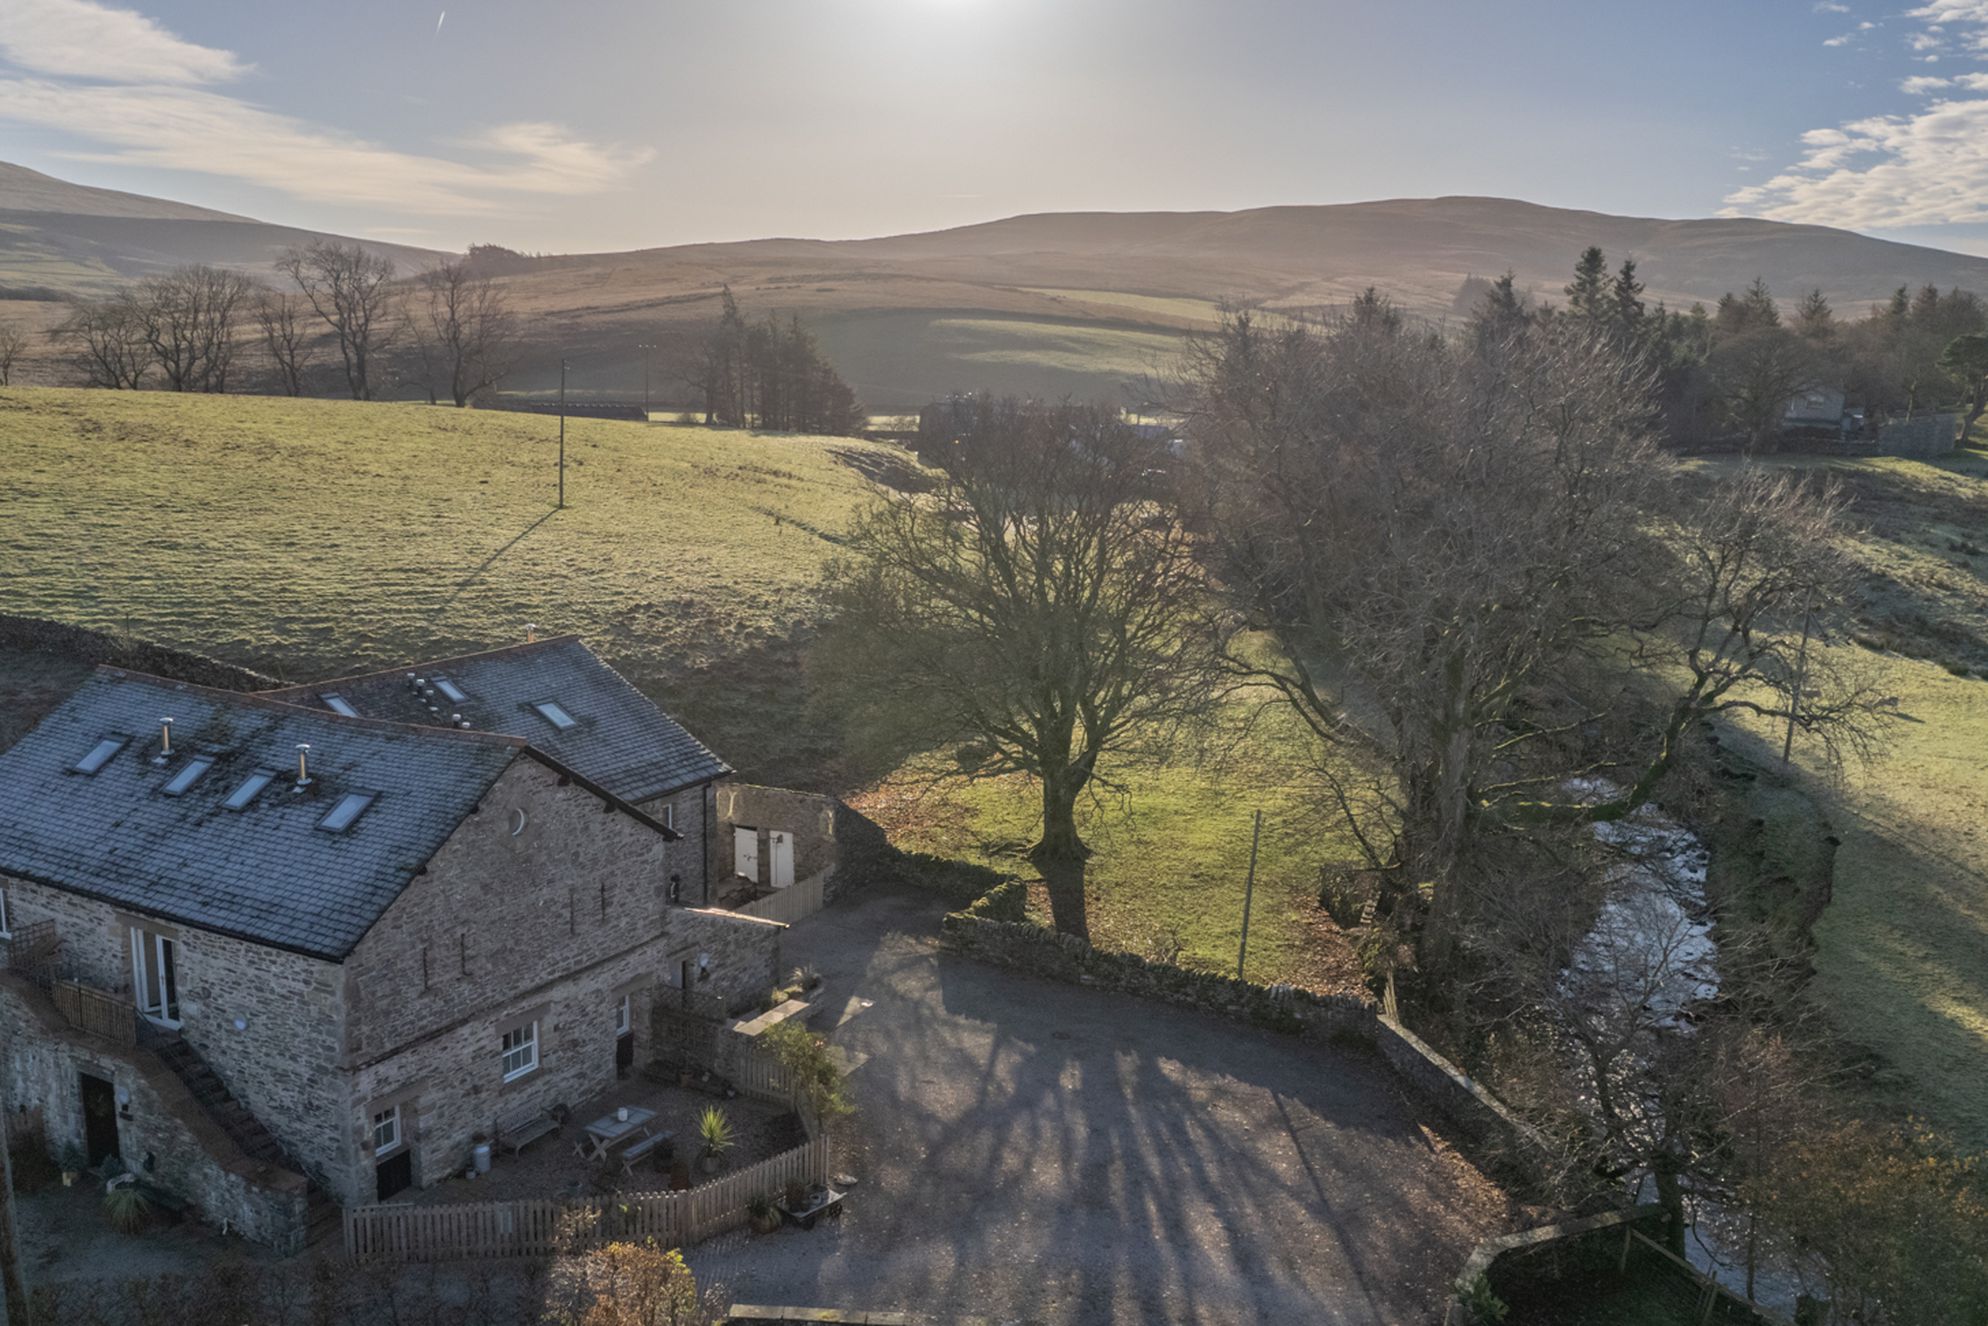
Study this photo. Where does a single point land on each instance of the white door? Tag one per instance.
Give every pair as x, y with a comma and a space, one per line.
745, 853
781, 847
155, 976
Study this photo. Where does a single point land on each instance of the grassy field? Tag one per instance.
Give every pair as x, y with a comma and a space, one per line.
1902, 959
309, 538
306, 538
1172, 850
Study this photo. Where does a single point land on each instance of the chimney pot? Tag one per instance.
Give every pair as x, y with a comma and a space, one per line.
303, 764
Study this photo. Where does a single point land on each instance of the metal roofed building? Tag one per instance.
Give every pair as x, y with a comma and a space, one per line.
265, 950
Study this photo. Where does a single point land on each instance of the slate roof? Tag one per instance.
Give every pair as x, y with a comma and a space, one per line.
266, 873
620, 738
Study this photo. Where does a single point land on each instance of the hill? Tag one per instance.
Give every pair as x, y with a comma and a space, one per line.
59, 239
307, 538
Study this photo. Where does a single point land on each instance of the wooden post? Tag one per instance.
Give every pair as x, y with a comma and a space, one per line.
562, 435
1249, 894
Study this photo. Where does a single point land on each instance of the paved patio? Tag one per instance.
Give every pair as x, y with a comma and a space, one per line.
1033, 1151
553, 1166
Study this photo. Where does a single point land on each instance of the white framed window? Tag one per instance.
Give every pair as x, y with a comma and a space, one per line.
519, 1050
6, 930
386, 1130
455, 693
552, 712
338, 704
622, 1021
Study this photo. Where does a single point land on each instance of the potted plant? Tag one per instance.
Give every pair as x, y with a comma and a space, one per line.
73, 1162
716, 1131
126, 1207
765, 1216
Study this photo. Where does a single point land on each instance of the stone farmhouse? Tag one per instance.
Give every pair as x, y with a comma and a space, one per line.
288, 951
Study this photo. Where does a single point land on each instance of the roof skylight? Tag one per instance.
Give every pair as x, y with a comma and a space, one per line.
349, 808
100, 755
553, 714
455, 693
247, 792
189, 775
338, 704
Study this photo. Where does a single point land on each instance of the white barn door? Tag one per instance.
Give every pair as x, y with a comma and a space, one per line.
780, 846
745, 853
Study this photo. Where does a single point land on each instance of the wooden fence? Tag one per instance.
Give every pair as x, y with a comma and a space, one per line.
794, 903
552, 1226
758, 1074
97, 1012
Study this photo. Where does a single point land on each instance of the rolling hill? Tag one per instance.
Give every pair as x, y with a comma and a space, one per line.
59, 239
1054, 304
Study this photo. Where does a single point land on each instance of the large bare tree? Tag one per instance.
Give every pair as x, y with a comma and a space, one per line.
352, 290
190, 317
13, 342
467, 336
290, 343
1036, 612
107, 341
1485, 583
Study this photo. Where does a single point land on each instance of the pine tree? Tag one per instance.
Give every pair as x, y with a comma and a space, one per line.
1814, 319
1587, 294
1761, 311
1500, 314
1628, 299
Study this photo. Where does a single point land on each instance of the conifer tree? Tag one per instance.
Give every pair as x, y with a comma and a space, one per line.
1587, 293
1628, 298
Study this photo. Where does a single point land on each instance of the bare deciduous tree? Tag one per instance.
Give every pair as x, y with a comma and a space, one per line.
107, 341
190, 318
1037, 612
291, 344
1456, 553
468, 338
352, 291
13, 341
1756, 372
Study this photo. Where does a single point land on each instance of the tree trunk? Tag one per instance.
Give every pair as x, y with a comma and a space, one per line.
1060, 856
1670, 1196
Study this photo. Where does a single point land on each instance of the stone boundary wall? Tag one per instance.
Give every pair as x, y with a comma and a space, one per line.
37, 635
1501, 1140
1923, 435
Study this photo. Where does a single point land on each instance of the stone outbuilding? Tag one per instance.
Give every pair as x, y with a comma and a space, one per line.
288, 951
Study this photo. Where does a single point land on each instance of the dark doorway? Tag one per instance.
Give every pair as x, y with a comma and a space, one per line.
395, 1173
99, 1120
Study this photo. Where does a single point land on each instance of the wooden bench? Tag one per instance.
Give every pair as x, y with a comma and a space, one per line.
520, 1128
632, 1155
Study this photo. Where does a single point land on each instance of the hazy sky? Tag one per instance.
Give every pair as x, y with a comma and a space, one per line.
610, 124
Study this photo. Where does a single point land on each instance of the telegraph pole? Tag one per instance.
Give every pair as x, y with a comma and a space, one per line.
1801, 672
562, 434
1249, 893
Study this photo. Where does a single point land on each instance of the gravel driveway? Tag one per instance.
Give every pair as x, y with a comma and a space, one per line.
1033, 1151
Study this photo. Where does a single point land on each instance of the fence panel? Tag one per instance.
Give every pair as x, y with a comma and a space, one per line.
97, 1012
546, 1227
796, 902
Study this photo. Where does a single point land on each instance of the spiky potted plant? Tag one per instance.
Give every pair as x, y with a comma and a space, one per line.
716, 1131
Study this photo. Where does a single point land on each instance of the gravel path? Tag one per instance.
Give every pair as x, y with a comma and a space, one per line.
1032, 1151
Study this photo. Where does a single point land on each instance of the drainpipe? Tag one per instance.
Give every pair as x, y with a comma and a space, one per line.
708, 798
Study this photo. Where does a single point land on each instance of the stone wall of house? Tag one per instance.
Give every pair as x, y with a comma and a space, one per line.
688, 811
266, 1021
1923, 435
548, 925
163, 1133
811, 818
744, 953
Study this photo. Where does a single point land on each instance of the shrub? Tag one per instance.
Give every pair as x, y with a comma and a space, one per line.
126, 1208
805, 1058
716, 1130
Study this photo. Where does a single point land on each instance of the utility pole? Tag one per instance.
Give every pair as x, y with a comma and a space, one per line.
13, 1293
562, 435
1801, 672
1249, 893
648, 360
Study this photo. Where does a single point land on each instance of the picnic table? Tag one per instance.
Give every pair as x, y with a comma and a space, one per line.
609, 1131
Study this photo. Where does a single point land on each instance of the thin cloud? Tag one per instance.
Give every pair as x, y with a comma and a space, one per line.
1925, 167
132, 91
1830, 7
82, 39
195, 130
